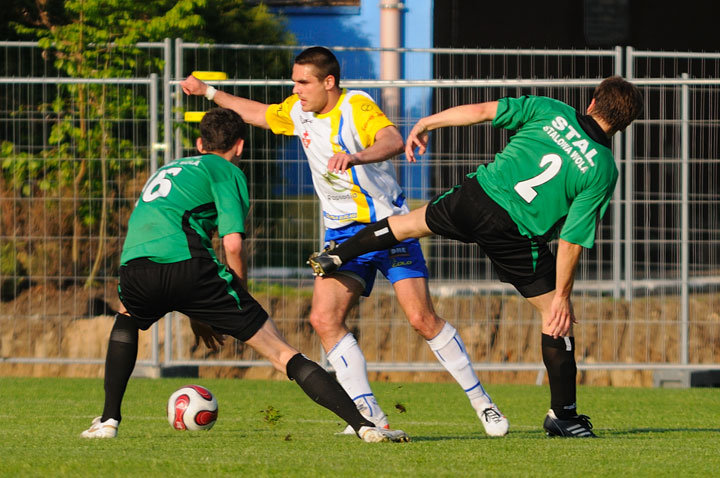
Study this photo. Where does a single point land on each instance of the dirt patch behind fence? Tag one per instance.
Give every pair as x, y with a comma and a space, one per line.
495, 329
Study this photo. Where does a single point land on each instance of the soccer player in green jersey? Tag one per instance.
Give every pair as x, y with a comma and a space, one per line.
554, 178
168, 264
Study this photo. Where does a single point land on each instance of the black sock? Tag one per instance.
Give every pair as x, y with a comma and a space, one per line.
325, 390
119, 364
559, 358
374, 237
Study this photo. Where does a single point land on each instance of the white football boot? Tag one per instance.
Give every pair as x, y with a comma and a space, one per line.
377, 435
98, 429
380, 421
495, 423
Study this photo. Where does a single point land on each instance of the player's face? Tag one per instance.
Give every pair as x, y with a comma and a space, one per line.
312, 91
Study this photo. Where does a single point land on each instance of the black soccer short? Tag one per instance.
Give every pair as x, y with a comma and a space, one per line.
200, 288
466, 213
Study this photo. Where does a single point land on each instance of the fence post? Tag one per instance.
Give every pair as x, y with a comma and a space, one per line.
617, 199
167, 102
168, 344
629, 216
153, 113
684, 217
178, 97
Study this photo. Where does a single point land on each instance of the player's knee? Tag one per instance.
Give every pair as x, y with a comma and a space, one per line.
324, 323
124, 330
425, 323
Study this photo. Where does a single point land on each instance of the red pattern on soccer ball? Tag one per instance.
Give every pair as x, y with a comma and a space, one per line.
181, 404
204, 392
206, 416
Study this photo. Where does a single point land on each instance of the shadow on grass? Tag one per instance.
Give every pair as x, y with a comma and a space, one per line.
538, 434
641, 431
509, 436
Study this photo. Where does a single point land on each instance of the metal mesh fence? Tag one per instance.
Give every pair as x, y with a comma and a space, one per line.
646, 295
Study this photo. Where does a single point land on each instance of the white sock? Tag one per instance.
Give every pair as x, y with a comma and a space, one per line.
351, 371
449, 349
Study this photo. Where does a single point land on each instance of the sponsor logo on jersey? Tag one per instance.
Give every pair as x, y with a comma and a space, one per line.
337, 186
188, 162
340, 217
572, 142
341, 197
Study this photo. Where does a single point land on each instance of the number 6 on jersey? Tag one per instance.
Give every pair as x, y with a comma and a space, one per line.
160, 185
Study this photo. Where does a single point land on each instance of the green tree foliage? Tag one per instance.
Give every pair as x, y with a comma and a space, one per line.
90, 155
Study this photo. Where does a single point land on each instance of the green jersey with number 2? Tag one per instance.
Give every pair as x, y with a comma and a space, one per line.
180, 207
553, 174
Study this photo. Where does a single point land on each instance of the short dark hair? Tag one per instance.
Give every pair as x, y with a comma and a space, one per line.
323, 60
220, 129
618, 102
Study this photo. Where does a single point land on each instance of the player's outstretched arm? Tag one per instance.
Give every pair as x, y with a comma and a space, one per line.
252, 112
457, 116
388, 143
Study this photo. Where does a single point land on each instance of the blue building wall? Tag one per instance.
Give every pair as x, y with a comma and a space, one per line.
360, 27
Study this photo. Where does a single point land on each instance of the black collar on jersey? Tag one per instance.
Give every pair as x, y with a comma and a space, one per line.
593, 129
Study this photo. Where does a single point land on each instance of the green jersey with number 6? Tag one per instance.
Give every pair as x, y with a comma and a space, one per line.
556, 172
180, 207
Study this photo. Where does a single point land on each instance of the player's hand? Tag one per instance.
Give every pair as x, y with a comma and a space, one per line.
418, 138
562, 316
340, 162
212, 339
193, 86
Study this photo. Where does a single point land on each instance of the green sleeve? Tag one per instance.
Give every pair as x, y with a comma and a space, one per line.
586, 211
231, 197
513, 112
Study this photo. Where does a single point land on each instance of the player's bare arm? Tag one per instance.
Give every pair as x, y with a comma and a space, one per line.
457, 116
252, 112
562, 315
235, 256
388, 143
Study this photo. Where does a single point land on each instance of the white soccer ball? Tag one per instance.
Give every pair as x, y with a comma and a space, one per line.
192, 407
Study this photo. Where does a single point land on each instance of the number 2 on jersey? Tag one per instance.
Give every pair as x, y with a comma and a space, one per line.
526, 188
159, 186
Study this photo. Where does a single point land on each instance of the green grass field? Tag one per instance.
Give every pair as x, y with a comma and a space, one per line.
648, 432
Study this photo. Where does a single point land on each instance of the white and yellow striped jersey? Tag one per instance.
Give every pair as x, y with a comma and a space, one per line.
364, 194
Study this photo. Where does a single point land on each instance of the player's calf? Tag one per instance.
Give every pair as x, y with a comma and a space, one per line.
327, 392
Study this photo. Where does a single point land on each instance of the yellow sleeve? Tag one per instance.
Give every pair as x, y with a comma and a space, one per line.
278, 116
368, 118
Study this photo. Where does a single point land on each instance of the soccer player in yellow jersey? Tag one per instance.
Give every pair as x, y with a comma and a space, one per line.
347, 140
